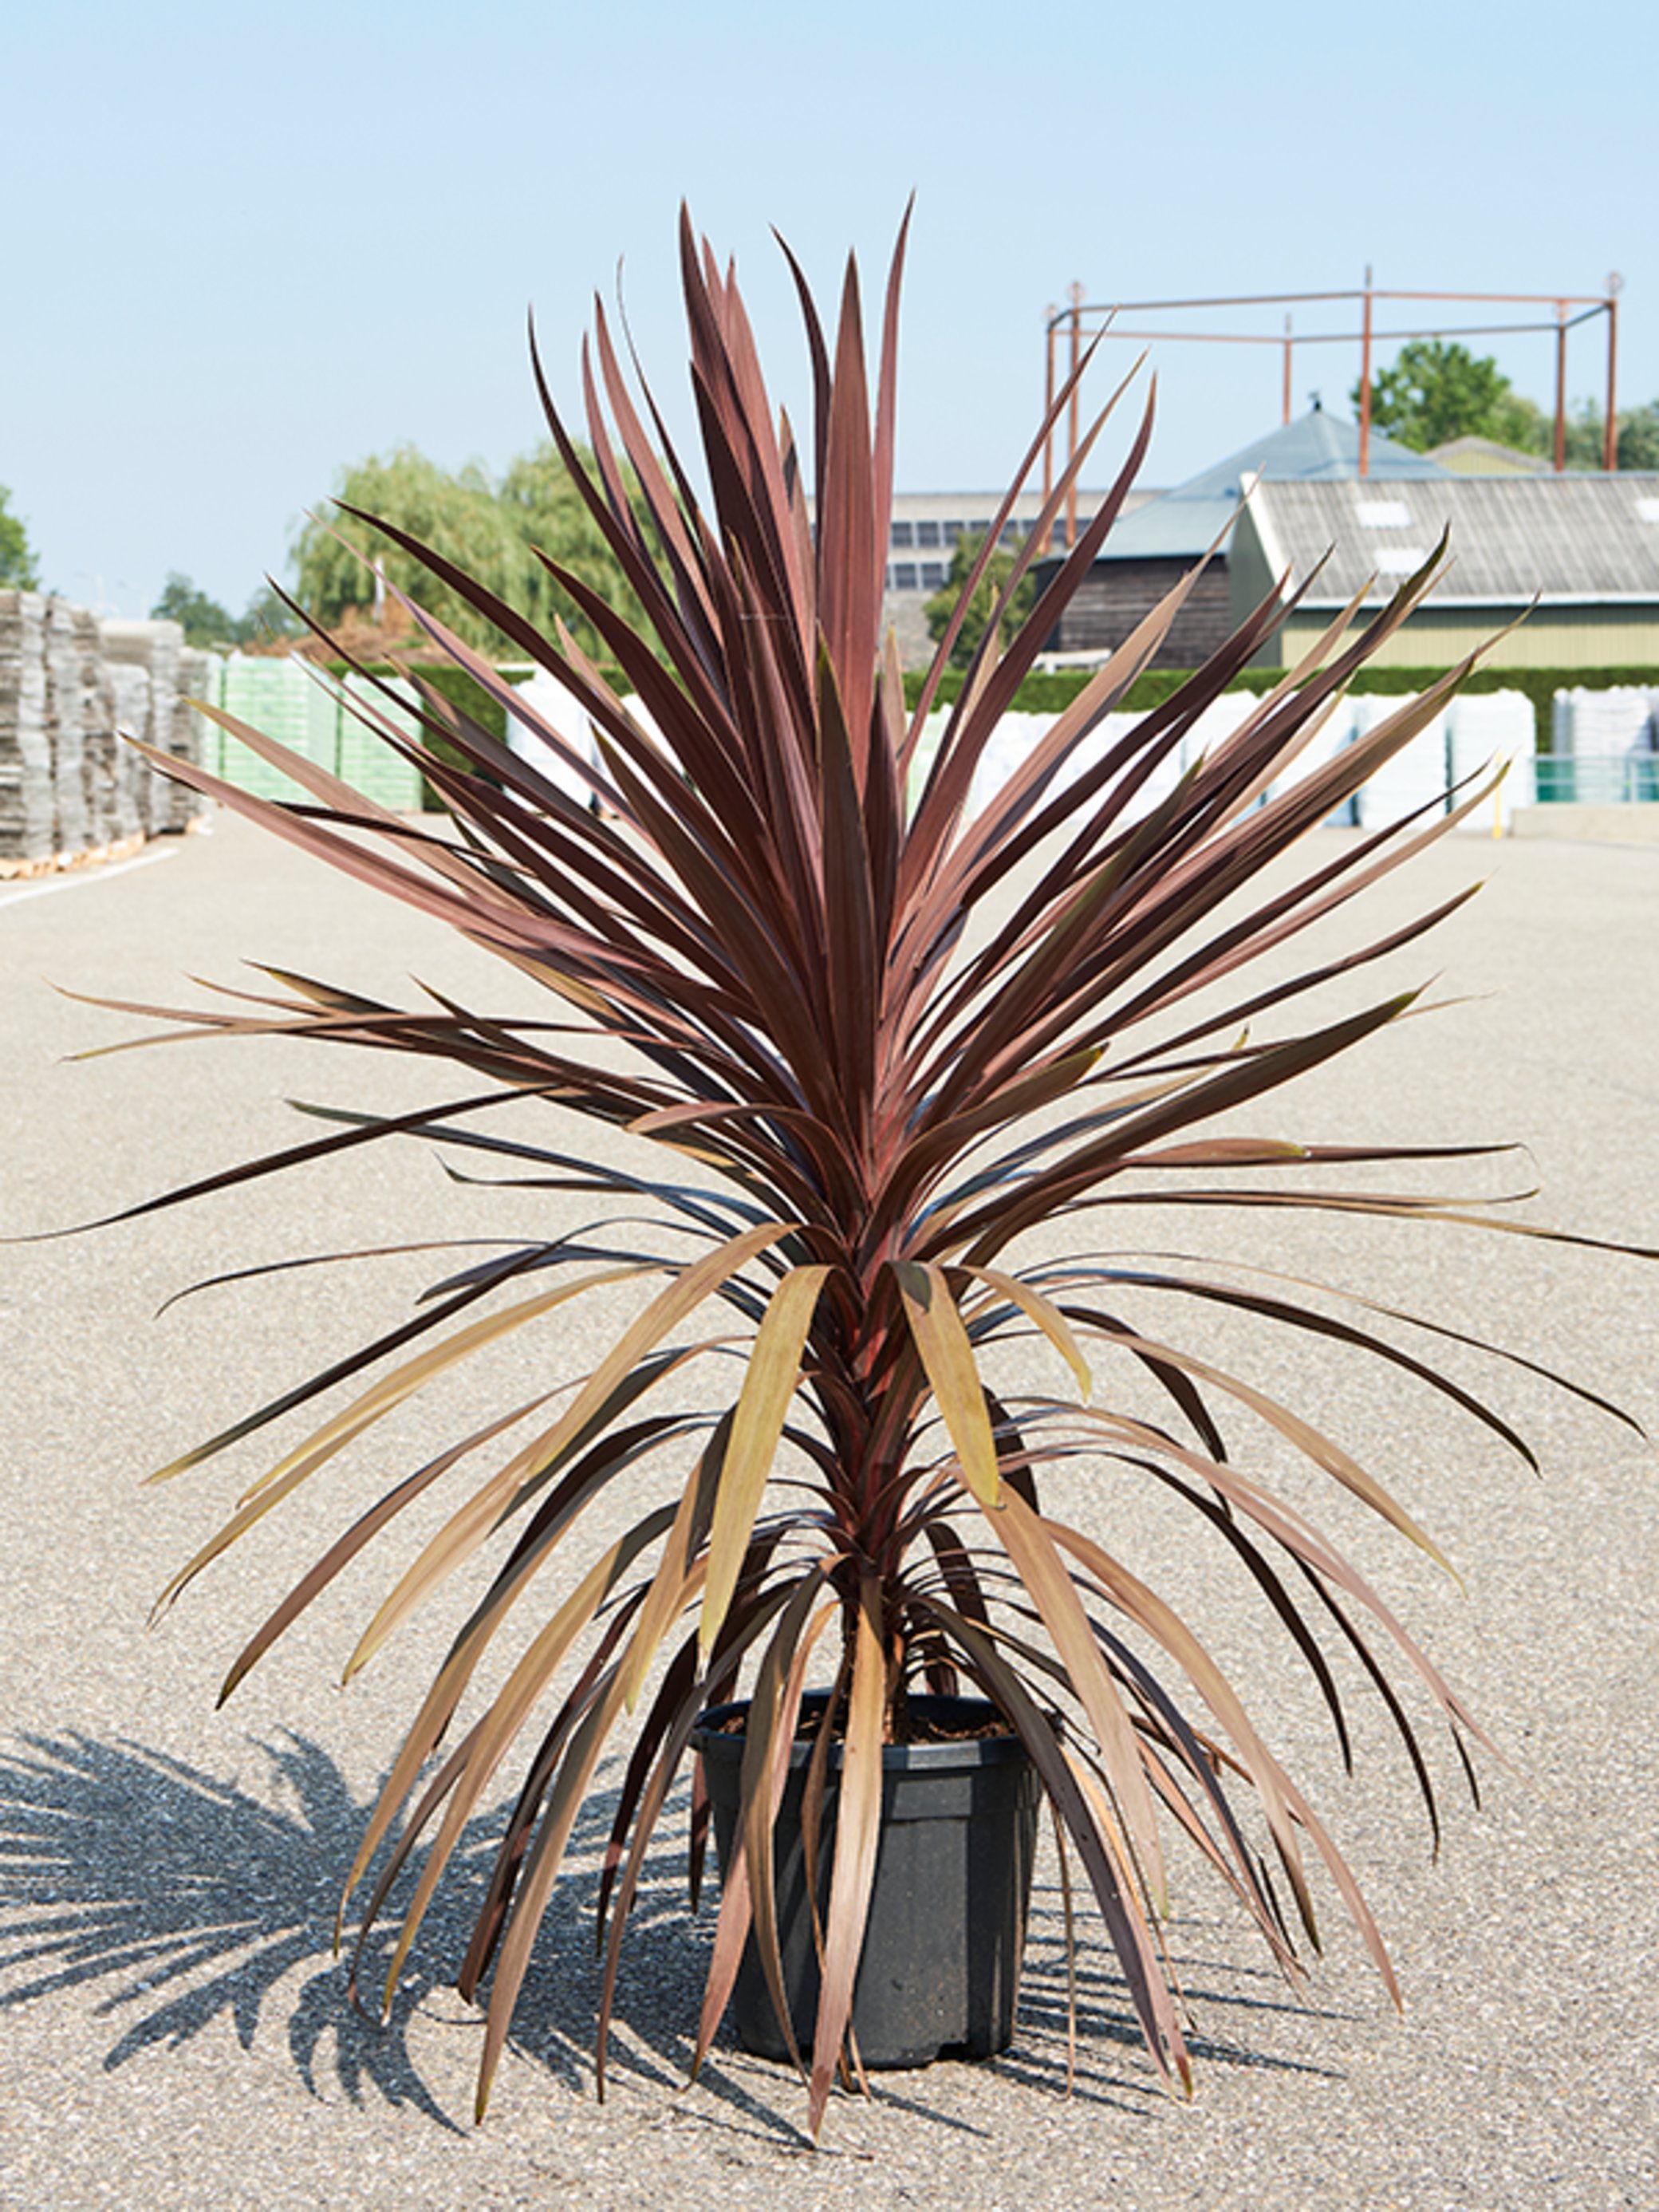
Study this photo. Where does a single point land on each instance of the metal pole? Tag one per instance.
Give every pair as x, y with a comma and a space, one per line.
1047, 408
1076, 294
1560, 386
1365, 382
1610, 428
1298, 298
1287, 368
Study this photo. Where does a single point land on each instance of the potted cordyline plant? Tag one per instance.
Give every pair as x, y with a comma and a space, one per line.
893, 1035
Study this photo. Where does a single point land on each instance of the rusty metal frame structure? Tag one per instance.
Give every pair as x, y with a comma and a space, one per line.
1069, 320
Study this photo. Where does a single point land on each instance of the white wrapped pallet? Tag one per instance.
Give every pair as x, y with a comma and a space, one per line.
641, 715
547, 706
1495, 727
1621, 719
1213, 728
1017, 736
1200, 740
1011, 743
1334, 735
1414, 779
28, 814
1219, 720
932, 730
1153, 789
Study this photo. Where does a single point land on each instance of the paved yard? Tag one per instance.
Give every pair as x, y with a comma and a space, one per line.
173, 2028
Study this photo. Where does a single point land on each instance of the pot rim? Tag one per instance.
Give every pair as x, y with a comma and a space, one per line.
726, 1747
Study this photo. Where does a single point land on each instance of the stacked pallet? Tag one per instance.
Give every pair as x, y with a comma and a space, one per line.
70, 689
158, 647
66, 730
128, 686
89, 702
193, 735
28, 811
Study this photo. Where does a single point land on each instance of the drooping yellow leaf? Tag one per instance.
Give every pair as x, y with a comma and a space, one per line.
1029, 1543
512, 1708
318, 1449
1047, 1317
947, 1357
661, 1608
462, 1534
762, 1410
857, 1827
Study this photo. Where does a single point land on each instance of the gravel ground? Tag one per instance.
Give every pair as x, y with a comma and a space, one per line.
174, 2026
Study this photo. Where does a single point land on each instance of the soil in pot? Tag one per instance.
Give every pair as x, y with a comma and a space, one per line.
940, 1971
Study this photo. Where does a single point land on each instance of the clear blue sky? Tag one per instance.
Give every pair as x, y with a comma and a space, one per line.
245, 246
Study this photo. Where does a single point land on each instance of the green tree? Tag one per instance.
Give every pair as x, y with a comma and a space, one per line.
547, 512
268, 616
490, 530
204, 622
1436, 390
18, 569
457, 513
943, 604
1638, 436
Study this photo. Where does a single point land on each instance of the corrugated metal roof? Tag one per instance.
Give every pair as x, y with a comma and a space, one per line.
1316, 448
1571, 537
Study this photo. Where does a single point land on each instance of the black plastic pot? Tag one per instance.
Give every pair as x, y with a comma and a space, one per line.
946, 1933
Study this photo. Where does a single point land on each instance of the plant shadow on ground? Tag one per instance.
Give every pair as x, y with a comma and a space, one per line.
182, 1898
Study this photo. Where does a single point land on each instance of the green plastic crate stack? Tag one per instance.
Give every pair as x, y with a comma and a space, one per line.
301, 707
281, 699
364, 758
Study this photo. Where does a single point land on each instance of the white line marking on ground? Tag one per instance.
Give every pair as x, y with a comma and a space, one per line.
72, 882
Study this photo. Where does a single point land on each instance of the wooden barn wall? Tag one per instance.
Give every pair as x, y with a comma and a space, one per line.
1117, 594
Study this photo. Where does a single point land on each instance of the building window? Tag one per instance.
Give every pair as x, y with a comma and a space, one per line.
1012, 532
1384, 514
927, 533
932, 576
953, 531
901, 576
902, 534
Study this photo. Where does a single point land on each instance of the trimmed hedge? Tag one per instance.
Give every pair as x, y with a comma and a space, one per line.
1051, 695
